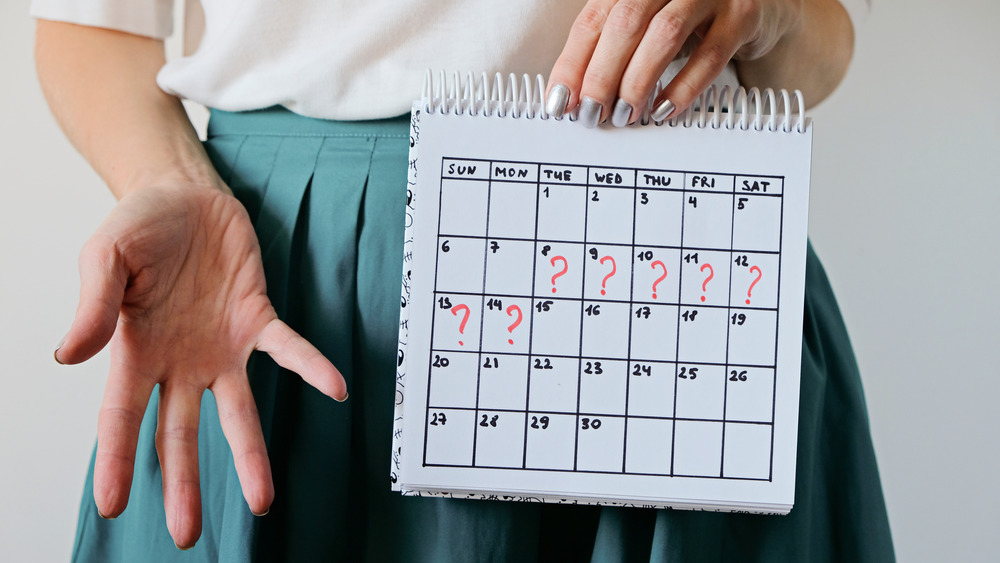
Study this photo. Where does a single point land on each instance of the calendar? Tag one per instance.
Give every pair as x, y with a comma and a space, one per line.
603, 316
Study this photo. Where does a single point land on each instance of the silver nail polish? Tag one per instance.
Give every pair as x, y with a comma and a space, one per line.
623, 111
556, 104
590, 112
663, 110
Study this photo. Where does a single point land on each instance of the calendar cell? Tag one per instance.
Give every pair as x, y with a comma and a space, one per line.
609, 215
749, 394
453, 379
654, 332
755, 280
658, 218
499, 439
760, 185
551, 442
457, 320
602, 386
607, 272
450, 434
463, 207
605, 329
701, 182
757, 222
655, 274
552, 384
600, 443
512, 210
659, 180
558, 269
508, 266
705, 277
620, 177
752, 335
651, 389
747, 451
701, 335
462, 168
503, 382
505, 325
562, 174
708, 220
701, 390
561, 212
697, 448
460, 264
555, 327
648, 445
514, 171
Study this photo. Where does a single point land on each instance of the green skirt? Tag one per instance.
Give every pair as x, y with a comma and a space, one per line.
327, 200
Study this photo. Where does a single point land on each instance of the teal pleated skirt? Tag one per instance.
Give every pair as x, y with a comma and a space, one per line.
327, 200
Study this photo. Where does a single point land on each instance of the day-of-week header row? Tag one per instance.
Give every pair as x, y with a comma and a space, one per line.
596, 176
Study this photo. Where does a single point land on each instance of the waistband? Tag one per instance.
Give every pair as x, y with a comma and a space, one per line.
280, 121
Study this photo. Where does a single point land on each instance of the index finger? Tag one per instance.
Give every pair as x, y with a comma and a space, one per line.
707, 62
567, 74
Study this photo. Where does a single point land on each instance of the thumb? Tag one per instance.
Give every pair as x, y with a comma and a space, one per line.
103, 278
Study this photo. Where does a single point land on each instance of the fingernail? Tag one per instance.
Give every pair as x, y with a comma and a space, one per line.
55, 354
183, 548
268, 509
623, 111
556, 104
346, 395
662, 111
590, 112
105, 517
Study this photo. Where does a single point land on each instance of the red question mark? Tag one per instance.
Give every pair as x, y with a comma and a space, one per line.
711, 274
614, 268
757, 279
510, 313
661, 278
560, 272
465, 319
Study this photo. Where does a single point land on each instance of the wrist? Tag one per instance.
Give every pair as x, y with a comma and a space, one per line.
185, 164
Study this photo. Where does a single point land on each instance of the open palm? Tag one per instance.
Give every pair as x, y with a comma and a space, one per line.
174, 279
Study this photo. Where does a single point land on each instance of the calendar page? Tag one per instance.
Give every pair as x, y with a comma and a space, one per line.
602, 315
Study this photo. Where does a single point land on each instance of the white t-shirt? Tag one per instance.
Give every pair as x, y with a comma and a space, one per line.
340, 59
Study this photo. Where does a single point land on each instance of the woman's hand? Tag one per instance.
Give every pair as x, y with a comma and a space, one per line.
618, 49
174, 279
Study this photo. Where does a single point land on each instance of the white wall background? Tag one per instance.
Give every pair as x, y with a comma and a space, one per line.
905, 204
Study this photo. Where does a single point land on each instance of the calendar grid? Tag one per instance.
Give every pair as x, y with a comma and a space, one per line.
677, 347
579, 371
774, 384
631, 298
603, 300
430, 361
531, 329
605, 365
604, 358
482, 310
725, 379
636, 416
663, 247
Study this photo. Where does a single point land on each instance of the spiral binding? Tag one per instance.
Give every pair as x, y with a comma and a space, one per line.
522, 99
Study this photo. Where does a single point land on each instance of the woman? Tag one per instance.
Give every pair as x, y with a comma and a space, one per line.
175, 277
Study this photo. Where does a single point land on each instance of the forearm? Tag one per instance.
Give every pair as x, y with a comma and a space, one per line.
812, 56
101, 87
